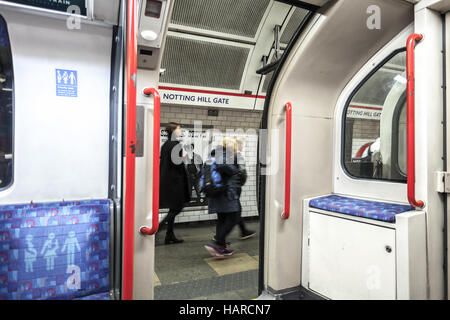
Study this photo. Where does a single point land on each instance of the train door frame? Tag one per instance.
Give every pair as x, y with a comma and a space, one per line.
142, 76
446, 131
113, 102
429, 100
262, 161
115, 178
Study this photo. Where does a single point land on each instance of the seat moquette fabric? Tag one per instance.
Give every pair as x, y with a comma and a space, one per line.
54, 250
383, 211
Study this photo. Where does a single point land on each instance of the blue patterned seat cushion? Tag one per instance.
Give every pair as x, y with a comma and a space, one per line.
98, 296
382, 211
54, 250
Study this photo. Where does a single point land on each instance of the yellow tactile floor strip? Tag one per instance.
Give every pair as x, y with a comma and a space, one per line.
237, 263
156, 281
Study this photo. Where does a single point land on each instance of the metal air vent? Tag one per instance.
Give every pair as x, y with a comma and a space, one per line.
293, 24
268, 76
193, 62
237, 17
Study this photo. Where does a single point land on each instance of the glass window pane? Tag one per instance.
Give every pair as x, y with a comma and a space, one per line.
6, 107
375, 124
402, 141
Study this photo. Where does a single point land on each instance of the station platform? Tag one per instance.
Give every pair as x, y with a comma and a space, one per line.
186, 271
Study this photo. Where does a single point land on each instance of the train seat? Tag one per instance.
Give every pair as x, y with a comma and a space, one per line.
362, 240
99, 296
376, 210
56, 250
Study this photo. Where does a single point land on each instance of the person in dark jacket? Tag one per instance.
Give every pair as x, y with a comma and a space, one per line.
242, 179
245, 233
226, 205
174, 185
193, 162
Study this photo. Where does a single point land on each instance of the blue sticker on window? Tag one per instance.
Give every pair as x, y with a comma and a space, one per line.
66, 83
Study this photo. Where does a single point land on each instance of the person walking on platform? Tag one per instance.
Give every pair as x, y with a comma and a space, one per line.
226, 202
245, 233
194, 163
174, 183
242, 178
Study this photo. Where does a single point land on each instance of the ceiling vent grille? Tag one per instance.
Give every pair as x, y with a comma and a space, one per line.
294, 22
236, 17
203, 64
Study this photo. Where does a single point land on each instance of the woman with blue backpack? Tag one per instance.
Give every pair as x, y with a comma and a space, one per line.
220, 182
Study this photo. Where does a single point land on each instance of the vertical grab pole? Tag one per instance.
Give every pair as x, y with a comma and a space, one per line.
287, 182
155, 176
130, 170
411, 169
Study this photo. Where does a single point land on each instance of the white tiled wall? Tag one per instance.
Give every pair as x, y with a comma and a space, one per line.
249, 122
364, 131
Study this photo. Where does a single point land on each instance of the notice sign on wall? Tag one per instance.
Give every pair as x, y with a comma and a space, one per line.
66, 83
55, 5
197, 146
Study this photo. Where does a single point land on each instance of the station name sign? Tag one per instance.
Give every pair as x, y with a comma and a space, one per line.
364, 112
195, 98
207, 98
54, 5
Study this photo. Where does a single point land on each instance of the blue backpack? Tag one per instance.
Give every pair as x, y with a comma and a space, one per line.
211, 181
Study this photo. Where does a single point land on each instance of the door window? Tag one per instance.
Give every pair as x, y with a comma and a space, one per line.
375, 124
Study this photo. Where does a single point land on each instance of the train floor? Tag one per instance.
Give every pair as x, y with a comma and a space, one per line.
187, 271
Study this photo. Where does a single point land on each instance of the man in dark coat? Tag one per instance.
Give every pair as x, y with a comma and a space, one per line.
174, 189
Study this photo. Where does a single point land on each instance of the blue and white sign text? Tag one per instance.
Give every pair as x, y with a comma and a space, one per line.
66, 83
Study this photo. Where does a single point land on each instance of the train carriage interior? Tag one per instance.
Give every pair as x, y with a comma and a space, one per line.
336, 107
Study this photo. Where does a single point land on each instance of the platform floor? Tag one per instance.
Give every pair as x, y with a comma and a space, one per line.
187, 271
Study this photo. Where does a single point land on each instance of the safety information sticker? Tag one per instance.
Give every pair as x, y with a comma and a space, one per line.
66, 83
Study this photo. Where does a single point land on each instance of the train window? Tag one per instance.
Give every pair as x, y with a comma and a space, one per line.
6, 107
401, 141
375, 124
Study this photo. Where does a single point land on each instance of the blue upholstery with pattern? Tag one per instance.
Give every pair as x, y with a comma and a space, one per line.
99, 296
55, 250
382, 211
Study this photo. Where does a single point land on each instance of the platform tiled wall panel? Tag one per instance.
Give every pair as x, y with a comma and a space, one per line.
227, 119
364, 131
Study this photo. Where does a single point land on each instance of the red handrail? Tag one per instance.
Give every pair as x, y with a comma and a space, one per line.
130, 160
411, 165
287, 178
155, 175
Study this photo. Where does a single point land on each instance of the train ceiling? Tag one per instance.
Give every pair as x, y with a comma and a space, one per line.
220, 44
